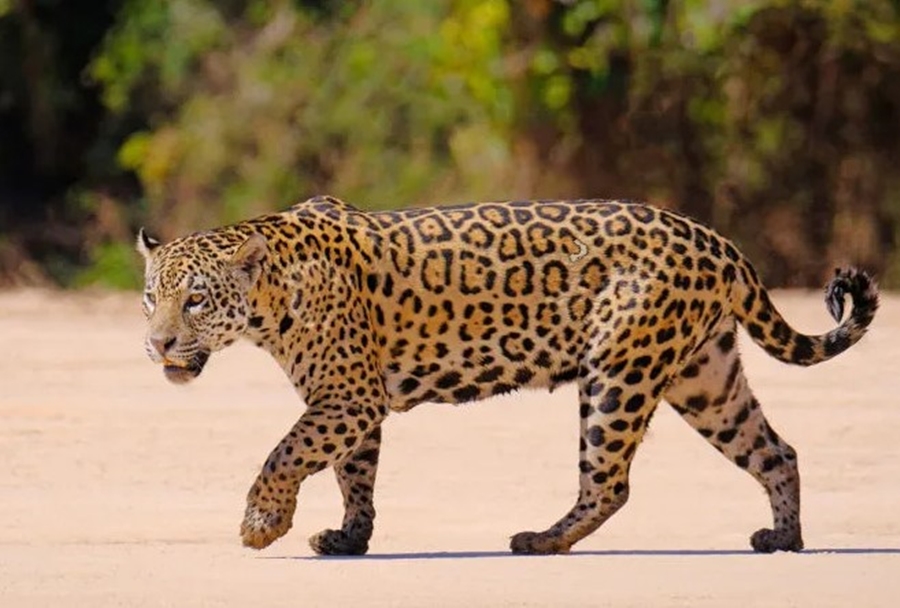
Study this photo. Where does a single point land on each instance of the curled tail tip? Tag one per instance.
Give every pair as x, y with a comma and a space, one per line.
861, 288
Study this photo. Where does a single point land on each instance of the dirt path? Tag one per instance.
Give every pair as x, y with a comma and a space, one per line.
118, 489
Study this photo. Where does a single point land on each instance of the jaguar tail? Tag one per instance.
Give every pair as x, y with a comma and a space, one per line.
766, 326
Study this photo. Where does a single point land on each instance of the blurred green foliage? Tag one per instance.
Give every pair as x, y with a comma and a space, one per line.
383, 104
112, 265
777, 121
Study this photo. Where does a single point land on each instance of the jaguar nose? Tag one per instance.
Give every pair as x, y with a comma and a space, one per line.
162, 345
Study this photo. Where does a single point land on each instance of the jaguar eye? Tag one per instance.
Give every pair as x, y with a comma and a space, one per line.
195, 299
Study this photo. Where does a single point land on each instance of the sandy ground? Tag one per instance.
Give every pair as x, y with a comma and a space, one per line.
118, 489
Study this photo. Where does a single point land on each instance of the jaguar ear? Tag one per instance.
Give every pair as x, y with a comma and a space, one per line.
146, 244
249, 257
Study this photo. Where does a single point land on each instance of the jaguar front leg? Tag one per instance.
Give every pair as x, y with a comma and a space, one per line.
325, 435
356, 478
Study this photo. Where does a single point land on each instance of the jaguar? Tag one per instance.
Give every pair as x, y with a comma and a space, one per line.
370, 313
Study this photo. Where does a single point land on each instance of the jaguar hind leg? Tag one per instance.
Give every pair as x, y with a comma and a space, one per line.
713, 396
616, 402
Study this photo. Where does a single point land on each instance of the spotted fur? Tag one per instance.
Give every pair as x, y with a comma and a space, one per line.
373, 312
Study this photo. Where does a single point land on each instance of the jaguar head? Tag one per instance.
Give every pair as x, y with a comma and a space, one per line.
197, 296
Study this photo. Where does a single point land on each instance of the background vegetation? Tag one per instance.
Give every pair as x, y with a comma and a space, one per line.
776, 121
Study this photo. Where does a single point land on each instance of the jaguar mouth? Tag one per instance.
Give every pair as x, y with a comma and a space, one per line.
181, 372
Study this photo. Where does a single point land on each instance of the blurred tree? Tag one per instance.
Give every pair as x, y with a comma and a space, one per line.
263, 104
775, 120
49, 119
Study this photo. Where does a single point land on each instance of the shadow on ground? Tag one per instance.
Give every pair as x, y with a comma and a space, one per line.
599, 553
